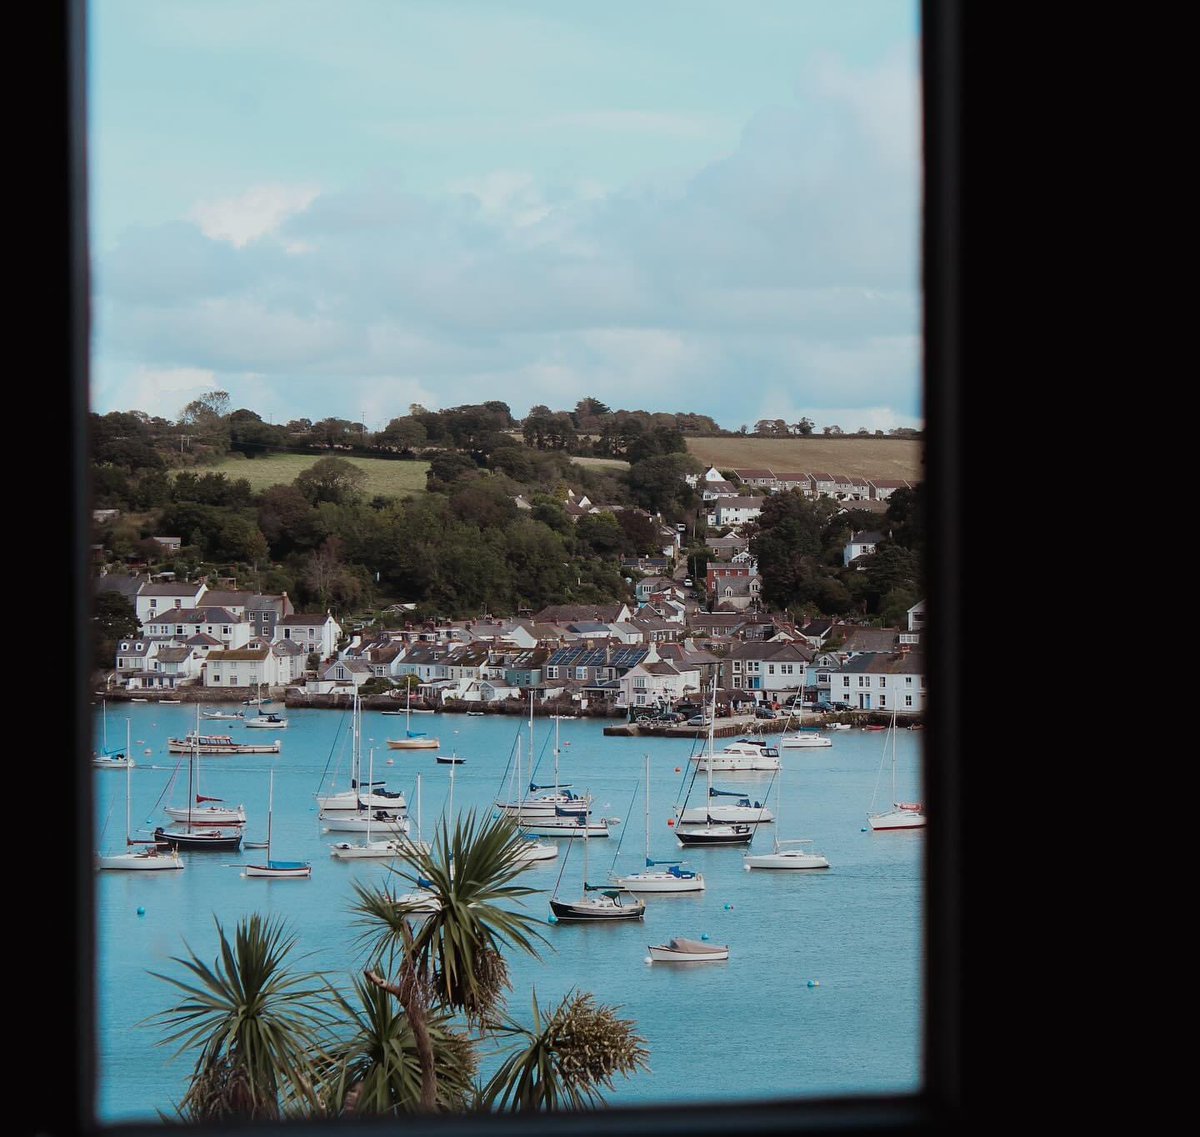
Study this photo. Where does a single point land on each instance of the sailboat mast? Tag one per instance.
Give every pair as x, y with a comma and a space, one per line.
270, 810
647, 811
128, 789
371, 780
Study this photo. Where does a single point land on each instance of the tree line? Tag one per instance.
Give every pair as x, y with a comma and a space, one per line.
465, 546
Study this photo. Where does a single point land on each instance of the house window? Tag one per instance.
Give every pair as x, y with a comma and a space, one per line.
785, 669
882, 701
639, 681
845, 680
551, 672
883, 681
908, 700
908, 680
862, 680
770, 669
752, 666
581, 673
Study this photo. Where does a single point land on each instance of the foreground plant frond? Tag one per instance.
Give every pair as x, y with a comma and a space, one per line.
470, 871
258, 1027
376, 1068
566, 1060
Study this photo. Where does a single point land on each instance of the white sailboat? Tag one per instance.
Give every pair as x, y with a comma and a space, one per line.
793, 853
802, 738
413, 739
271, 868
138, 855
361, 795
902, 814
388, 847
186, 834
110, 759
535, 805
201, 810
659, 876
709, 831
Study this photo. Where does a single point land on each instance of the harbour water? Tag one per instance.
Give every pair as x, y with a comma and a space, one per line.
822, 992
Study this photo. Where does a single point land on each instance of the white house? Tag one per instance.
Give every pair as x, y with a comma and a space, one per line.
881, 681
246, 666
319, 633
734, 510
860, 544
155, 597
655, 683
181, 624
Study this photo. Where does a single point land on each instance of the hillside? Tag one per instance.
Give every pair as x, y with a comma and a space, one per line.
846, 454
385, 478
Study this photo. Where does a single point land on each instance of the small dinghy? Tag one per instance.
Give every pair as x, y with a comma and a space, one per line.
681, 950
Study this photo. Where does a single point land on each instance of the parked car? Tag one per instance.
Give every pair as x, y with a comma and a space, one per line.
764, 713
699, 720
670, 716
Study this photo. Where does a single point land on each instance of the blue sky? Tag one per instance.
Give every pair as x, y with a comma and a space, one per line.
338, 210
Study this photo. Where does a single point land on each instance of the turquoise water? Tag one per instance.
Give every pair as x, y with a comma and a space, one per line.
821, 994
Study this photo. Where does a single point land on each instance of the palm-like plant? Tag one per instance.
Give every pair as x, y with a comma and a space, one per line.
469, 872
259, 1028
565, 1060
377, 1069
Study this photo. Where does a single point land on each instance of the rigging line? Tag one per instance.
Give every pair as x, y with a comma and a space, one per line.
333, 746
632, 799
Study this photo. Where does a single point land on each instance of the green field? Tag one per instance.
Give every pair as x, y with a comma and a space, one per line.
384, 478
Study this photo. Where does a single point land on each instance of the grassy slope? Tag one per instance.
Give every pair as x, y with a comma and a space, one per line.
384, 478
866, 457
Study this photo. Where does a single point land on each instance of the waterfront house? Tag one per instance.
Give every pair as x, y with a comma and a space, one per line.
882, 681
181, 624
775, 669
247, 666
656, 683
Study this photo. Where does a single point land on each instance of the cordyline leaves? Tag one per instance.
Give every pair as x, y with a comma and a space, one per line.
567, 1060
256, 1025
274, 1044
469, 870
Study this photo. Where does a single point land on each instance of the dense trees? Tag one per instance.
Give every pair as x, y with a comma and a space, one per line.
465, 545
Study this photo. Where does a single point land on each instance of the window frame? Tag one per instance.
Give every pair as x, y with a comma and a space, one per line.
60, 1100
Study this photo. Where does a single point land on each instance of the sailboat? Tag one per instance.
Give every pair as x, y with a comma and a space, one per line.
903, 814
559, 802
654, 878
390, 846
186, 835
361, 795
138, 854
679, 949
272, 868
790, 854
413, 739
257, 700
598, 902
111, 759
802, 738
201, 810
710, 831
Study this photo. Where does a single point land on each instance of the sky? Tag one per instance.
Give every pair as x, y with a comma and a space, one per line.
341, 210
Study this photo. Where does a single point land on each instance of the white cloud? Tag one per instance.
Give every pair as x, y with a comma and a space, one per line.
257, 212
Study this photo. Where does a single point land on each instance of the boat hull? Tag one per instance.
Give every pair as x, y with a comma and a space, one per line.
390, 824
599, 908
661, 882
786, 859
346, 851
200, 815
145, 860
727, 815
688, 951
413, 744
285, 870
715, 835
548, 827
350, 802
218, 840
186, 746
804, 742
896, 819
